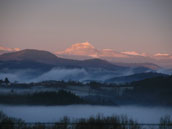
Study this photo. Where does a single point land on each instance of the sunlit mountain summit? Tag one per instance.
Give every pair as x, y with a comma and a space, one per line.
85, 50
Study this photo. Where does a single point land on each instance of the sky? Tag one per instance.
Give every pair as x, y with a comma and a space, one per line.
122, 25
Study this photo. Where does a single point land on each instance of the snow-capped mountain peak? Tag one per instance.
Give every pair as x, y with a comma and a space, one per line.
80, 49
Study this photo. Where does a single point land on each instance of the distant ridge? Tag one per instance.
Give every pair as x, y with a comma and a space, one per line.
135, 77
146, 65
30, 55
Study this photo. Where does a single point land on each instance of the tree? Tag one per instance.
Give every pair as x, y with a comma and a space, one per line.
1, 81
6, 80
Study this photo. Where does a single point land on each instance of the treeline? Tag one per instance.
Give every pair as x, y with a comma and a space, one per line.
154, 91
42, 98
53, 83
92, 84
99, 122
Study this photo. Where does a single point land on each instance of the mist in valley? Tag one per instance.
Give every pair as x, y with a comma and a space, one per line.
75, 74
52, 113
55, 113
67, 74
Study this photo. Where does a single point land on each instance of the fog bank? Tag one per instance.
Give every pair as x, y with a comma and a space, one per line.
55, 113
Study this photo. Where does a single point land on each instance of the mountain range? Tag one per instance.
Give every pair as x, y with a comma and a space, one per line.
48, 58
32, 64
86, 50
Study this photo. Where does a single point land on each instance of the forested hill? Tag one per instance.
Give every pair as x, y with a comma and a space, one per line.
151, 91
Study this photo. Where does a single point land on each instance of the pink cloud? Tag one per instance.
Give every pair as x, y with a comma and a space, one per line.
133, 53
9, 49
162, 54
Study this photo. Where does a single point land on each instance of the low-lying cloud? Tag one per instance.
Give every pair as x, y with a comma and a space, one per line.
62, 74
74, 74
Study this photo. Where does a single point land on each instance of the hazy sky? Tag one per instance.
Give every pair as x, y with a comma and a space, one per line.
122, 25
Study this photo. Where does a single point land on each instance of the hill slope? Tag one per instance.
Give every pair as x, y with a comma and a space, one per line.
134, 77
